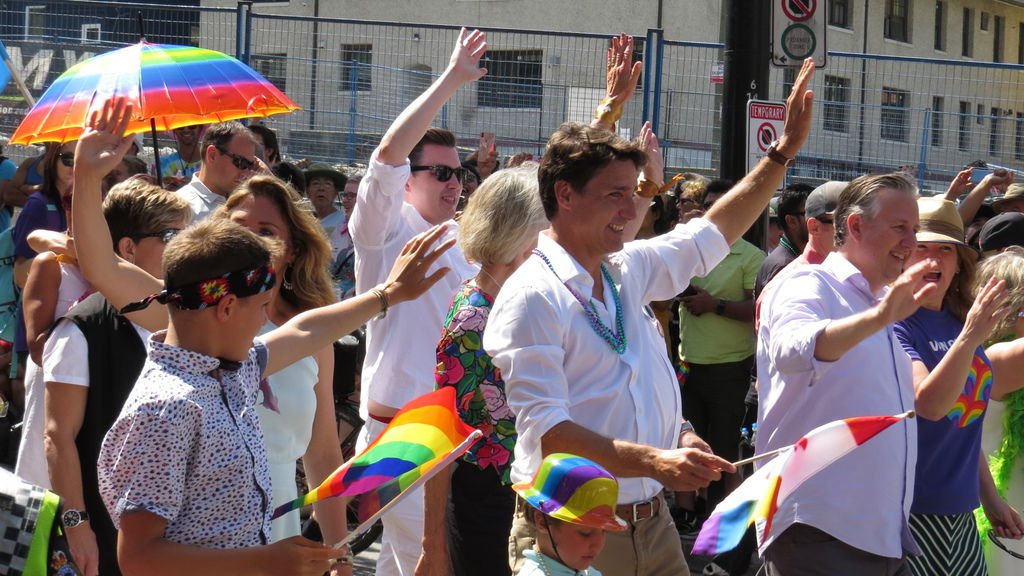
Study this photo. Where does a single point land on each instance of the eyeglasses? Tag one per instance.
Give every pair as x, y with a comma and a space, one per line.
165, 235
995, 540
443, 173
240, 162
67, 159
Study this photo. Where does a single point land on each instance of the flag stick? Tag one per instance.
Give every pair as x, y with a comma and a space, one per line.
16, 77
451, 457
745, 461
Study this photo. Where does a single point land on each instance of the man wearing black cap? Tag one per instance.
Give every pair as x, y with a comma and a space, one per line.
1001, 232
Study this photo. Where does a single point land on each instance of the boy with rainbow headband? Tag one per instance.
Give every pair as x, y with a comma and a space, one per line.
576, 499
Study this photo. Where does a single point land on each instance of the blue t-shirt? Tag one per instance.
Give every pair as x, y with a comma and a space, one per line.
948, 449
7, 169
38, 213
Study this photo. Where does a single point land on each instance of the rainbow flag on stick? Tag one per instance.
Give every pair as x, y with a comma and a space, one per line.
757, 499
424, 434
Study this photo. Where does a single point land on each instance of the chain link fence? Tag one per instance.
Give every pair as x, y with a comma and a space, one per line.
352, 78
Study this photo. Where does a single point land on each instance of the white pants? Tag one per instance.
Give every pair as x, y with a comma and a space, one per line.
403, 523
31, 464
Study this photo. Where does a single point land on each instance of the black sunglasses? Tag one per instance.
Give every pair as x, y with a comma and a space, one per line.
67, 159
995, 540
240, 162
443, 173
165, 235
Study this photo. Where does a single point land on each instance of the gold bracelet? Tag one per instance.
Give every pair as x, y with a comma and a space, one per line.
382, 298
608, 111
646, 189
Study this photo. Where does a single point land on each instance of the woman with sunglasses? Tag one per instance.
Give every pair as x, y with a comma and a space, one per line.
953, 380
45, 210
1004, 420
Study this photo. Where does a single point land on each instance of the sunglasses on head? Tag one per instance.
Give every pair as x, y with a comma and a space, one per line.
67, 159
443, 173
240, 162
165, 235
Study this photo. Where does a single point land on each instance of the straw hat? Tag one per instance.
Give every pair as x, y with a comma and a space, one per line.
1014, 192
574, 490
940, 222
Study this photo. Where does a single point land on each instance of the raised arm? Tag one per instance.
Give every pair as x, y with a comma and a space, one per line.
653, 174
413, 122
100, 150
621, 77
936, 391
997, 180
320, 327
734, 213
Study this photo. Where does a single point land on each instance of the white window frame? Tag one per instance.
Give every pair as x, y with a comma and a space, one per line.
28, 18
85, 34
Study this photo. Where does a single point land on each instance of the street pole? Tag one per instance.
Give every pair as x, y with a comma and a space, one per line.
747, 33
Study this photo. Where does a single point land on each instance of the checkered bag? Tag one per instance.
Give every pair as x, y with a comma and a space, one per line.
32, 542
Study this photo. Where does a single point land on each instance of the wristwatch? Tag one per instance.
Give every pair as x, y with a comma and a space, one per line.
685, 426
71, 518
720, 309
778, 157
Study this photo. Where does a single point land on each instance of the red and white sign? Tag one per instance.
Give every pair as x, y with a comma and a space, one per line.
798, 32
765, 120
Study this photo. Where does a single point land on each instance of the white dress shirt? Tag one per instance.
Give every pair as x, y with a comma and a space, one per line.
557, 368
200, 199
863, 499
400, 348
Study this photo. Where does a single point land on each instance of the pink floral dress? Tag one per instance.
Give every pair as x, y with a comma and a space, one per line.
480, 391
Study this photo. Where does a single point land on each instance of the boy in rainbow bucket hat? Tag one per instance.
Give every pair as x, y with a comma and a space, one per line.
576, 499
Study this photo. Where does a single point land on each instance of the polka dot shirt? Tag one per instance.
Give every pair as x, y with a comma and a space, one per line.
187, 447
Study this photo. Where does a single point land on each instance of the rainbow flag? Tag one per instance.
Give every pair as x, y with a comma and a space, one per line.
758, 498
425, 432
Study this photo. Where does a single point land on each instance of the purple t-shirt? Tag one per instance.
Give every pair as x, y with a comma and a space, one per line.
38, 213
947, 449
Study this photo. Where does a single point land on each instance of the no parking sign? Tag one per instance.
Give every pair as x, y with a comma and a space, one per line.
765, 120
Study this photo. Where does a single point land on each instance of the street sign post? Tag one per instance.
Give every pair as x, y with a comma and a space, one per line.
765, 120
798, 32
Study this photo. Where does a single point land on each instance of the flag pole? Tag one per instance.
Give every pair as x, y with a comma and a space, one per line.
16, 77
769, 454
451, 457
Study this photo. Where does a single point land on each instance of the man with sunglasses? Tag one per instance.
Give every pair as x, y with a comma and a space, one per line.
229, 158
413, 181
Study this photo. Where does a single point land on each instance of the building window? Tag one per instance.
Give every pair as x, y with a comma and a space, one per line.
963, 135
894, 114
836, 109
997, 40
984, 21
967, 33
356, 61
788, 79
514, 79
897, 20
1020, 43
940, 25
979, 116
995, 135
91, 33
937, 117
35, 22
273, 67
1018, 137
839, 13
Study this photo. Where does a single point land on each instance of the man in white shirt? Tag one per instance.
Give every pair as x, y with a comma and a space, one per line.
229, 158
413, 182
585, 366
826, 350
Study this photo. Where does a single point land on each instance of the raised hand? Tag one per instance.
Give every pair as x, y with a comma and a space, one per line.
902, 299
103, 143
464, 64
798, 116
998, 180
654, 171
960, 184
986, 313
622, 73
408, 279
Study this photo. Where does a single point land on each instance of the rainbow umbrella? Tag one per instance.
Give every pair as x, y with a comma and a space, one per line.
168, 86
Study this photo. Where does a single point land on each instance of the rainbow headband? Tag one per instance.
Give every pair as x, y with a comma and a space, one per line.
205, 293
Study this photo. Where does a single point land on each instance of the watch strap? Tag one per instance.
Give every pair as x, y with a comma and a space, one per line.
720, 308
778, 157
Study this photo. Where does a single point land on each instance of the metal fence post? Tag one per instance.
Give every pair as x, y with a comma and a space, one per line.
649, 57
353, 107
922, 160
247, 45
659, 36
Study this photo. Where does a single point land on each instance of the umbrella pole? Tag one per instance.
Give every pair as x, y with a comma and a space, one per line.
156, 154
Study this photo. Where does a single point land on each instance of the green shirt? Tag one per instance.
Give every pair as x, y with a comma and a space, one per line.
713, 339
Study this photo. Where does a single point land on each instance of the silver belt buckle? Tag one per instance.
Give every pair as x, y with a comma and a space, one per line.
635, 506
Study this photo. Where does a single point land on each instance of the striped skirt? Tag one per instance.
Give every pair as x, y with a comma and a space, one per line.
949, 545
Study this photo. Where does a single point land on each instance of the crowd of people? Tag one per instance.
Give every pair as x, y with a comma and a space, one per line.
610, 331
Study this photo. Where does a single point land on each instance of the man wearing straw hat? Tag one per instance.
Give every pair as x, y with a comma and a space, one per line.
585, 365
826, 350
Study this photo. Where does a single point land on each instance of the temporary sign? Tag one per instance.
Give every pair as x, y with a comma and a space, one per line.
765, 120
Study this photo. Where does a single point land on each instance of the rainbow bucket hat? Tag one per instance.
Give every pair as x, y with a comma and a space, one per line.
575, 490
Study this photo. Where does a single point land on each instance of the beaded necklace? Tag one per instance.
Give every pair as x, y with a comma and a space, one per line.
616, 339
547, 571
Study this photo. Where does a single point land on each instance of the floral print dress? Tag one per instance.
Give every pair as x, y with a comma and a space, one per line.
480, 391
